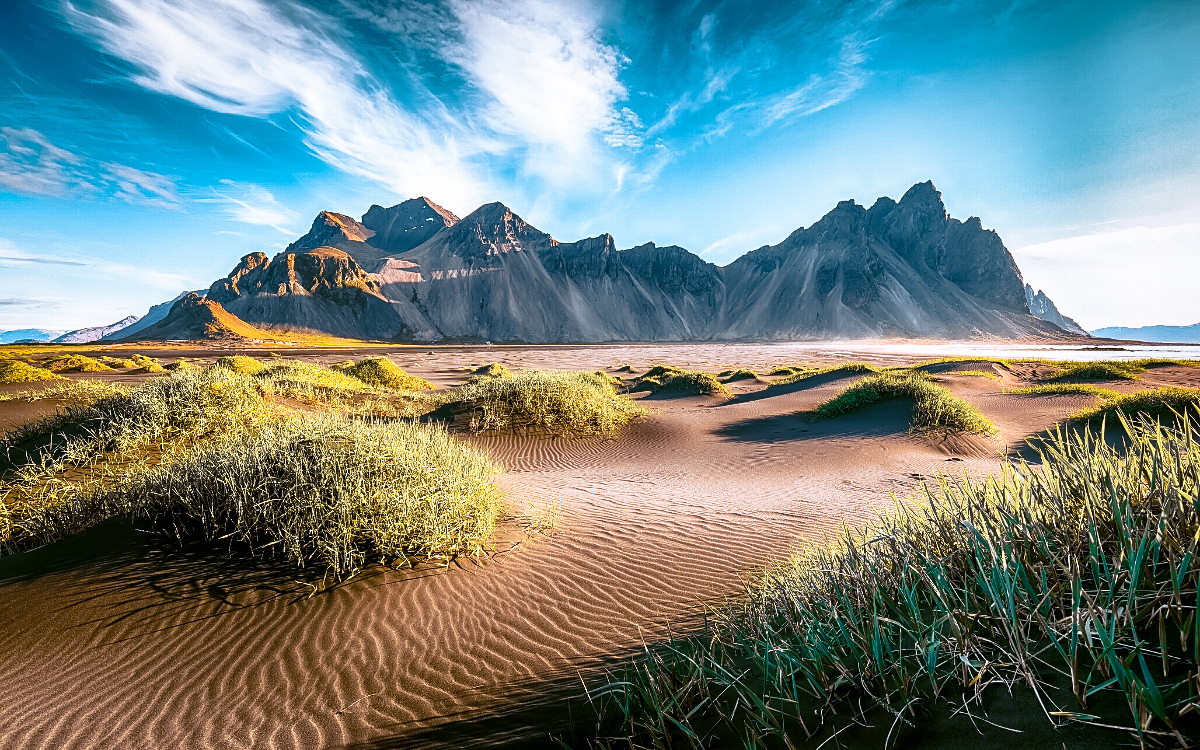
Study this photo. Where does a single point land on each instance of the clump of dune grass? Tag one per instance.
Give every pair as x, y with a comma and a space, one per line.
328, 492
334, 390
16, 371
76, 363
55, 465
975, 374
117, 363
1096, 371
848, 368
179, 364
382, 371
493, 370
670, 380
240, 364
1065, 389
741, 373
786, 370
1074, 582
569, 403
1157, 403
74, 392
934, 406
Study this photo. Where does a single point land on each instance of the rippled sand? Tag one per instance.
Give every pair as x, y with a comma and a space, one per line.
114, 639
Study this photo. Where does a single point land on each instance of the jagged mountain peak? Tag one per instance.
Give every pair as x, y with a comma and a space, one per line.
494, 229
406, 225
331, 229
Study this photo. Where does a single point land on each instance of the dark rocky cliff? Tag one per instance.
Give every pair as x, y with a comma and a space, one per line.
416, 272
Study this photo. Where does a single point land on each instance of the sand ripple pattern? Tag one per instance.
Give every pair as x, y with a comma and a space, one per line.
111, 640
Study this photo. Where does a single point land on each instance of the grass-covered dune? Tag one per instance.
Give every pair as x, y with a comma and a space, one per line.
215, 453
329, 491
934, 406
16, 371
568, 403
1070, 586
668, 380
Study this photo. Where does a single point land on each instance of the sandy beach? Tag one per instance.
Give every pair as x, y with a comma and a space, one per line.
117, 638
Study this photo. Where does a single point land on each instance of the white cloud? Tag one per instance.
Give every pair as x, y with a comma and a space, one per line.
249, 58
1130, 277
552, 81
253, 204
33, 165
138, 186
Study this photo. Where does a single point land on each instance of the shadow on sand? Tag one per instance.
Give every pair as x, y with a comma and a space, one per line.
877, 420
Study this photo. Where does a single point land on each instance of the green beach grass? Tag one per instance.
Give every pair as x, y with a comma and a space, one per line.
670, 380
16, 371
934, 406
1073, 582
568, 403
381, 371
120, 450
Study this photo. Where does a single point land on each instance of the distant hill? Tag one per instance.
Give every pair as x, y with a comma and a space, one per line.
1158, 334
416, 272
88, 335
28, 334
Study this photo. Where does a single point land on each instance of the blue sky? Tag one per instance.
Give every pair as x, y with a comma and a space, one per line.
146, 146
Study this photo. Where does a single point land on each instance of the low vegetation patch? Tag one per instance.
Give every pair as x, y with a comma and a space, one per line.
1065, 389
669, 380
16, 371
934, 406
803, 374
991, 375
1073, 582
742, 373
1097, 371
74, 392
76, 363
240, 364
1156, 403
493, 370
209, 453
569, 403
382, 371
328, 491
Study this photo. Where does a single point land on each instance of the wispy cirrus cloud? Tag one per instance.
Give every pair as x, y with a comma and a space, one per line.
253, 204
249, 58
32, 165
549, 77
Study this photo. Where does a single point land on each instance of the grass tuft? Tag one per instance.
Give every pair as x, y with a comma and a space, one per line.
22, 372
330, 492
571, 403
991, 375
382, 371
741, 373
799, 374
671, 380
493, 370
1065, 389
1155, 403
240, 364
1096, 371
934, 406
1074, 581
76, 363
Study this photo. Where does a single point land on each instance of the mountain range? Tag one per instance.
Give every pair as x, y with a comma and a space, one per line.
1158, 334
416, 272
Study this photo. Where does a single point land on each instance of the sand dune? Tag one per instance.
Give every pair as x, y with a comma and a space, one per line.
116, 639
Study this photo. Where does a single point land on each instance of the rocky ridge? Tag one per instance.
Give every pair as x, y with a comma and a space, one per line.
415, 272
